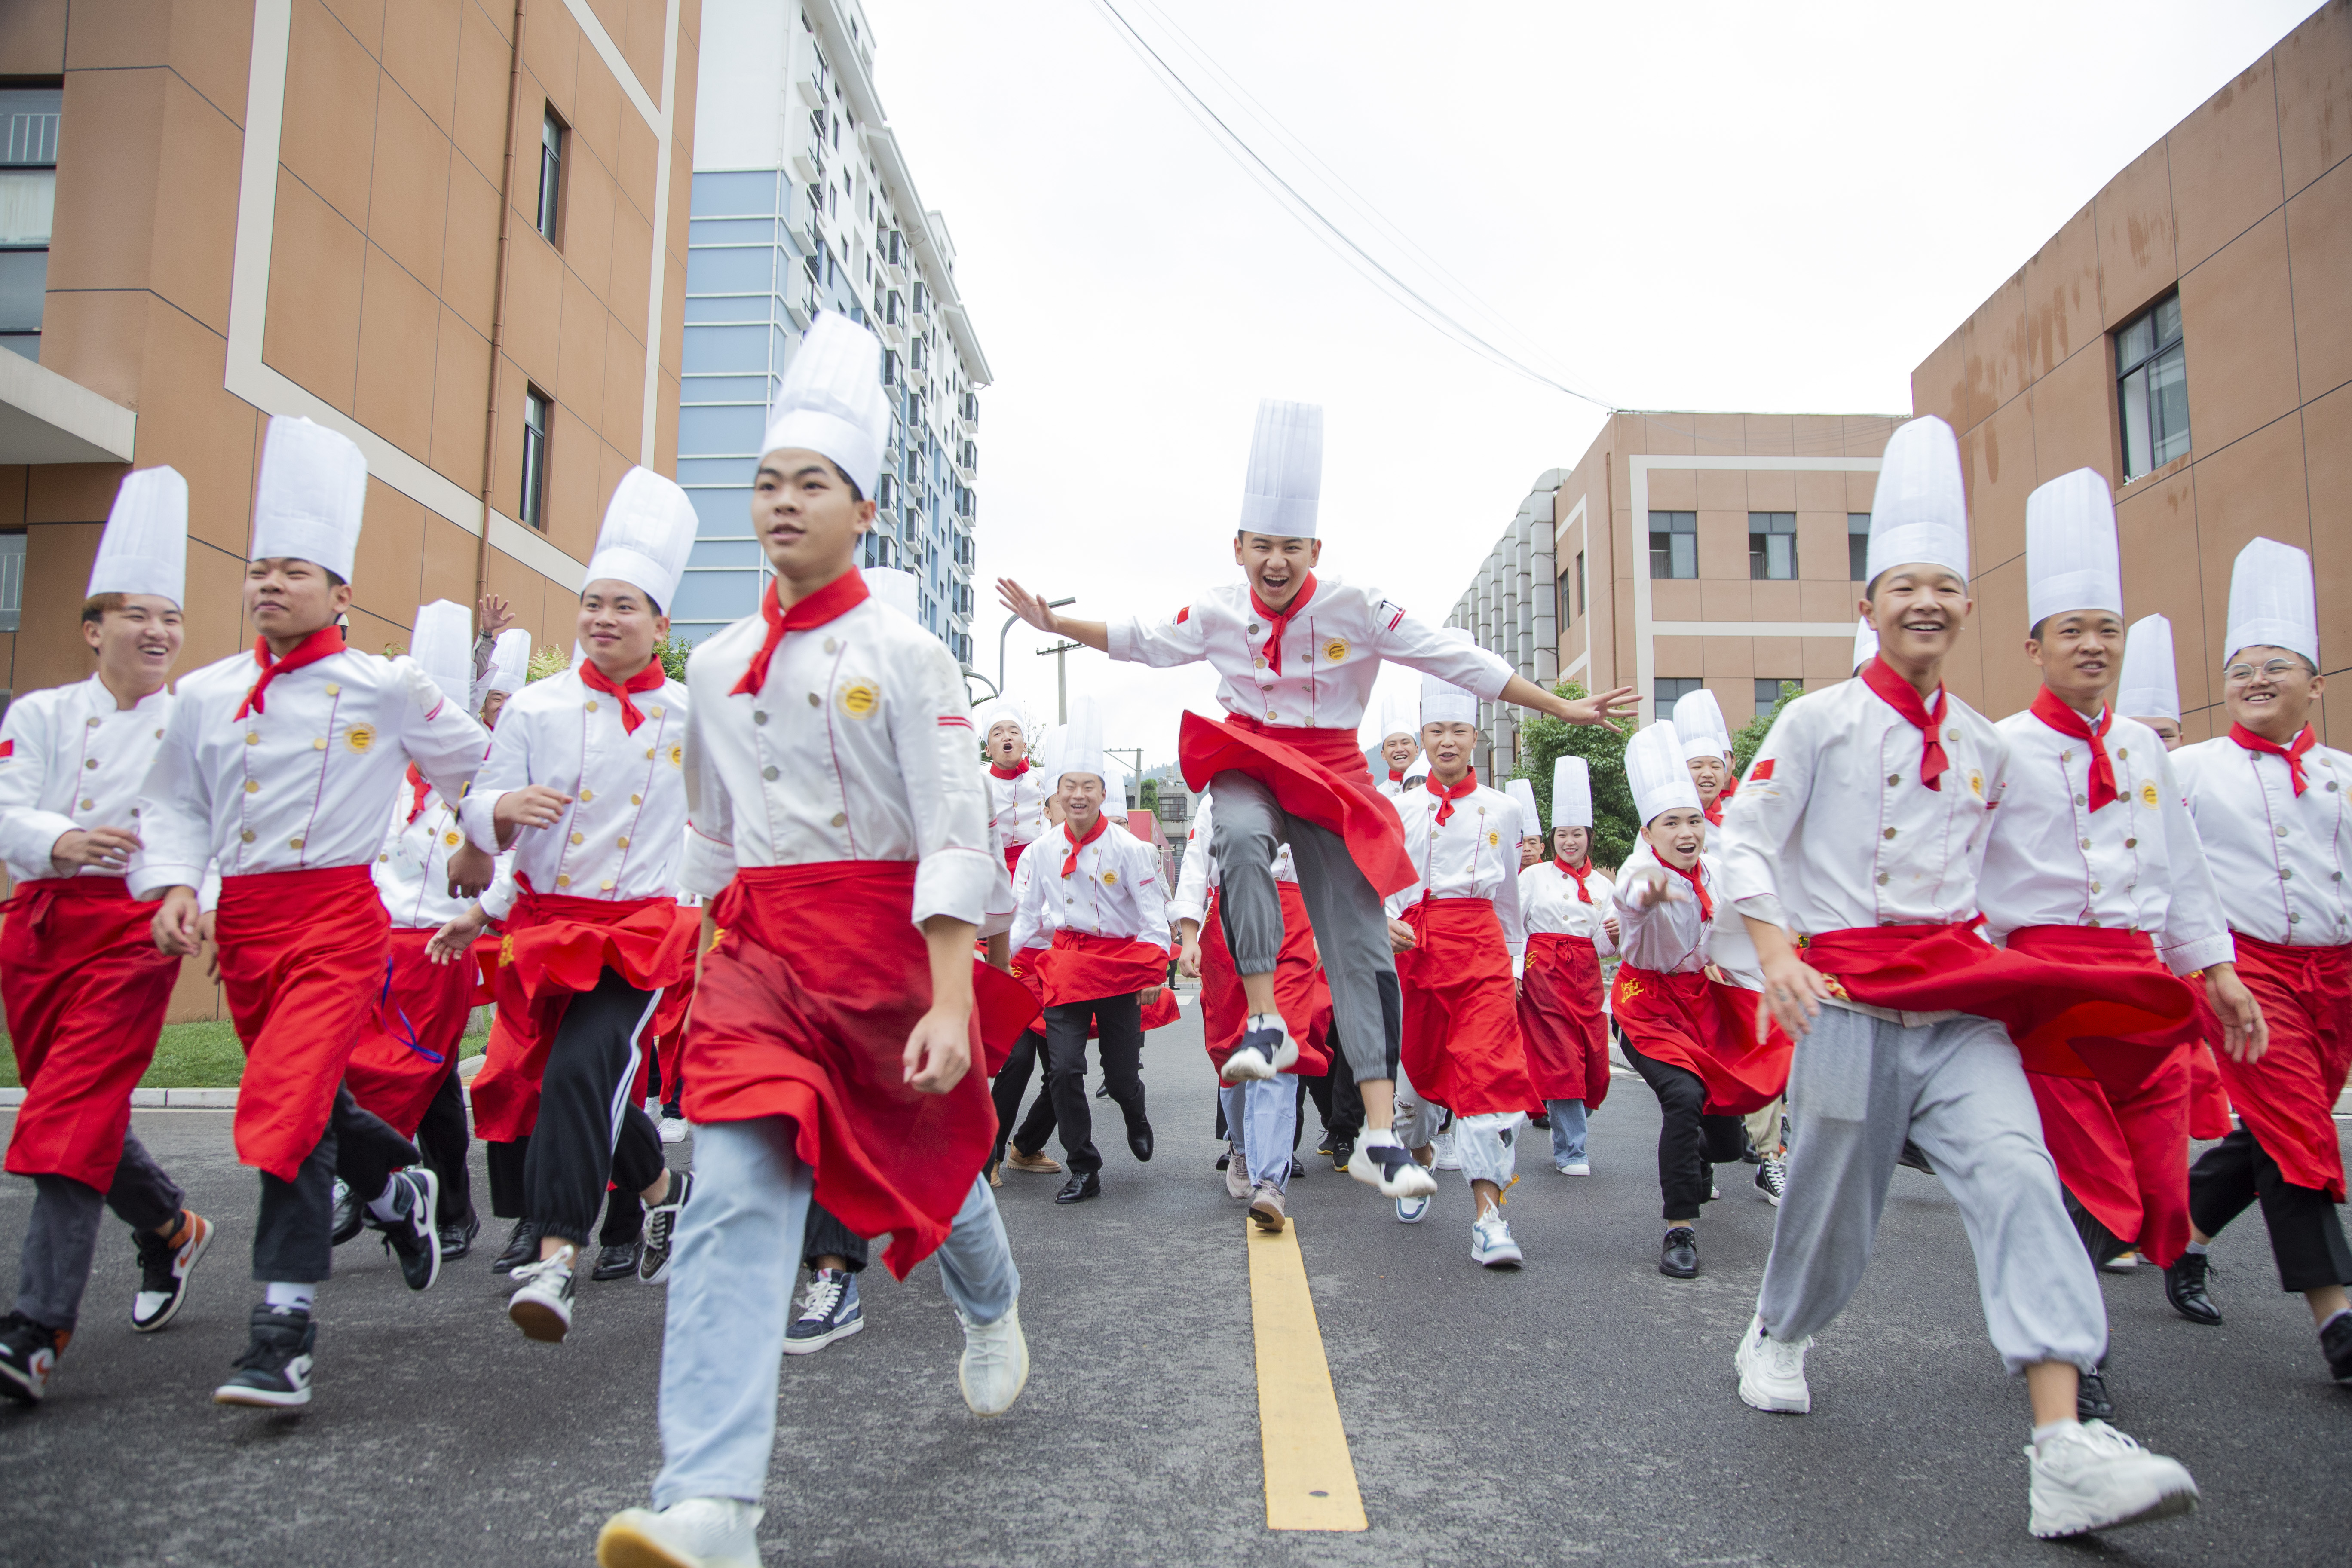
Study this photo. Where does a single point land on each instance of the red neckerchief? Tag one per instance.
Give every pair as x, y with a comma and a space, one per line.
649, 679
836, 599
1279, 623
1012, 773
324, 643
1396, 775
1583, 894
2066, 722
2293, 750
1714, 813
1898, 695
1447, 798
417, 787
1070, 861
1699, 887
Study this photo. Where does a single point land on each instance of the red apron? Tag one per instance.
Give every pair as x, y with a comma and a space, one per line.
2209, 1101
86, 992
415, 1034
1461, 1047
1300, 991
2287, 1100
1084, 967
1316, 776
303, 957
807, 1018
1561, 1020
1707, 1029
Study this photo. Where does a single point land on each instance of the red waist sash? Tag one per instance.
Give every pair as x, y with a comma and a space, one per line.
1300, 992
1561, 1021
2288, 1097
412, 1040
1708, 1029
1316, 776
1082, 966
1460, 1046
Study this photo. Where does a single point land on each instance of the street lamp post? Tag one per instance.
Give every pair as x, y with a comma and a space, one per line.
1006, 630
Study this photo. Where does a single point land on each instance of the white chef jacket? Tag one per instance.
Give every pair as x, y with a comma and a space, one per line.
412, 869
1115, 890
306, 784
1331, 653
71, 759
1394, 788
858, 748
1668, 936
2133, 864
1474, 854
1016, 806
1548, 902
2278, 861
1199, 873
620, 838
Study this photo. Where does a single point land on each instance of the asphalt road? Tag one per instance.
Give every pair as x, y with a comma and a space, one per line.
1582, 1409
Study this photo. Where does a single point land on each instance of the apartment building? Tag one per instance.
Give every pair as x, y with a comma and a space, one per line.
803, 202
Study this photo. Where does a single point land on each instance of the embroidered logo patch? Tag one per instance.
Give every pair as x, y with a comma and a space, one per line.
1975, 783
1493, 837
676, 754
1629, 990
506, 950
1111, 879
717, 935
360, 737
2147, 795
453, 840
1761, 772
859, 699
1335, 650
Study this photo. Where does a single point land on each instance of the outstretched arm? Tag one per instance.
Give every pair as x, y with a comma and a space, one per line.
1603, 708
1096, 634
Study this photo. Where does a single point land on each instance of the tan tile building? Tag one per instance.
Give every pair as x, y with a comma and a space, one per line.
2189, 334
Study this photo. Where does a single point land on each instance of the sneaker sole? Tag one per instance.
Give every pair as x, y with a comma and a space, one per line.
197, 1250
1267, 1219
1018, 1384
260, 1398
13, 1385
1039, 1168
1246, 1067
1403, 1218
624, 1543
660, 1275
2170, 1505
540, 1321
427, 1207
1412, 1181
811, 1346
1770, 1404
1499, 1260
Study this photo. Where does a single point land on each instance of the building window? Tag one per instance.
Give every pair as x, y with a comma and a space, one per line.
1669, 690
2152, 385
1857, 546
12, 580
28, 196
1579, 581
550, 175
534, 457
1673, 545
1772, 546
1768, 692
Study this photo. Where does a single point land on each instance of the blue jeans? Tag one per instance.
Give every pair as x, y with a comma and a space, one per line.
1261, 1119
1566, 1129
731, 1291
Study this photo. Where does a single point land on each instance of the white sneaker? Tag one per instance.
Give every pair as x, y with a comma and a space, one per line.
1237, 1182
1491, 1243
1381, 1162
673, 1129
542, 1308
700, 1533
1413, 1210
1446, 1159
995, 1366
2090, 1476
1575, 1168
1772, 1373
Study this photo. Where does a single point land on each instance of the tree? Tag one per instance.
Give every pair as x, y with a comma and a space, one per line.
553, 660
1544, 739
672, 653
1749, 739
1148, 799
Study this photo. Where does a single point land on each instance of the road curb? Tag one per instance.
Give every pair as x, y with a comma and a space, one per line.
201, 1099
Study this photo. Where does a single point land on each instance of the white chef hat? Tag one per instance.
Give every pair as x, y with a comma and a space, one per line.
1865, 643
1284, 483
1114, 780
1081, 750
2272, 604
1920, 511
1699, 721
896, 589
1571, 793
1654, 767
1398, 717
144, 549
509, 662
311, 496
1524, 792
442, 642
2148, 688
647, 535
1441, 701
1049, 754
832, 401
2071, 560
1003, 710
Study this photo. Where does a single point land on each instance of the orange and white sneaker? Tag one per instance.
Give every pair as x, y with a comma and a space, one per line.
28, 1353
165, 1265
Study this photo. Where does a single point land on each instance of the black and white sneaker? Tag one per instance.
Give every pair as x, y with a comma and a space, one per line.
274, 1372
28, 1354
164, 1271
542, 1308
1390, 1166
829, 1311
1263, 1052
661, 1229
408, 1235
350, 1219
1772, 1179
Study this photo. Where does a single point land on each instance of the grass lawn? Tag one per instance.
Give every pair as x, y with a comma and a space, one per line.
206, 1056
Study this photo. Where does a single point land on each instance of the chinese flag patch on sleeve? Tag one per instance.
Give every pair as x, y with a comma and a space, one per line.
1183, 614
7, 749
1760, 772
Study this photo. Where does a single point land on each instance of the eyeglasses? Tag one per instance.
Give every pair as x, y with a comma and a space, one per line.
2240, 674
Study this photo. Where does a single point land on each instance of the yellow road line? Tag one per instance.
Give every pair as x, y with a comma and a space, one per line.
1310, 1480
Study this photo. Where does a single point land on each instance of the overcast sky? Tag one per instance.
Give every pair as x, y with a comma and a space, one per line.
1777, 208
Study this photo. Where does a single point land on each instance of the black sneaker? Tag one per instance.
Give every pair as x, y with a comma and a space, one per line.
521, 1247
1915, 1157
2335, 1344
163, 1271
2184, 1287
408, 1233
274, 1372
1226, 1158
458, 1240
1342, 1150
1297, 1167
28, 1354
1679, 1258
1772, 1179
661, 1229
617, 1262
2092, 1401
829, 1311
350, 1218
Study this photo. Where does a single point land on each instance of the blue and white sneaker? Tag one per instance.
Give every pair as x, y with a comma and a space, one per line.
1266, 1049
829, 1311
1412, 1210
1491, 1243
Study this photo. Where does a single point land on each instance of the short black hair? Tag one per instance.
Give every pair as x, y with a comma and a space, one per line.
96, 607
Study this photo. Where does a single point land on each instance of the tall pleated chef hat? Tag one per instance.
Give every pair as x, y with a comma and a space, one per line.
1441, 701
1114, 780
1284, 483
2148, 688
1523, 791
307, 503
1571, 793
832, 401
647, 535
1003, 710
1654, 767
1920, 510
2271, 601
2071, 560
896, 589
442, 641
1081, 750
1698, 721
1865, 643
1049, 754
1398, 717
144, 549
509, 662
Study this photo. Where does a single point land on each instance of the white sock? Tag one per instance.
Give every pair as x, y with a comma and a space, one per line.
279, 1293
2196, 1248
2331, 1317
1262, 1021
1378, 1137
2044, 1433
385, 1204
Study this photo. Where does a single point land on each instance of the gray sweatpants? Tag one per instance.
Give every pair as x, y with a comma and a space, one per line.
1857, 1088
1351, 929
61, 1239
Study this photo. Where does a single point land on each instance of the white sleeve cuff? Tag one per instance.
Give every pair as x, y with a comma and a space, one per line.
1120, 636
148, 881
952, 881
1765, 907
707, 866
2190, 957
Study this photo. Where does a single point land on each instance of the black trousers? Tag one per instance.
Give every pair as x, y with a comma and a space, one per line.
589, 1130
442, 1139
1338, 1101
1117, 1021
2306, 1235
826, 1236
293, 1236
1011, 1083
506, 1162
1689, 1141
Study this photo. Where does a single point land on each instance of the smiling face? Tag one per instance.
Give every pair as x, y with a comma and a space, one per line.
1398, 751
137, 640
1006, 744
1711, 774
287, 599
2270, 691
1571, 846
1275, 567
1080, 797
2079, 653
1677, 836
808, 517
1450, 748
1918, 610
619, 626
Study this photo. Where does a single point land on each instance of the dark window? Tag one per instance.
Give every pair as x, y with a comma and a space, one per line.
1673, 545
1579, 581
1857, 546
550, 175
11, 580
1768, 692
534, 457
1669, 690
28, 194
1772, 546
2152, 386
